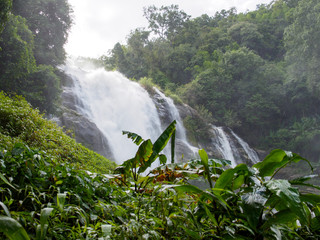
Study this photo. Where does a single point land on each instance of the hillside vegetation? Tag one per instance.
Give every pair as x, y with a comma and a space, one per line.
20, 123
44, 198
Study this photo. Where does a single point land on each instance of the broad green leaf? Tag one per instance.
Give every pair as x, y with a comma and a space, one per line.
142, 158
162, 141
214, 196
277, 159
6, 180
158, 146
310, 198
288, 196
231, 178
225, 179
162, 159
173, 143
12, 229
45, 213
61, 198
192, 234
18, 149
238, 182
282, 217
6, 210
271, 162
253, 204
204, 159
134, 137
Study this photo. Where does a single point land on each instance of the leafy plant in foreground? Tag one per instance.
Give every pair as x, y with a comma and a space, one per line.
145, 156
248, 203
51, 200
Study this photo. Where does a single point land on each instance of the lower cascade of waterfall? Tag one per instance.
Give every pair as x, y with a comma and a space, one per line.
115, 104
232, 147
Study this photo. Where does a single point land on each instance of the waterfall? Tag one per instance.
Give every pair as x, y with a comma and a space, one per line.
115, 104
223, 145
252, 155
172, 113
231, 147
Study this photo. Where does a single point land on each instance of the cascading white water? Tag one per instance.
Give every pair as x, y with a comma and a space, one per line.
115, 104
253, 156
181, 132
231, 147
224, 145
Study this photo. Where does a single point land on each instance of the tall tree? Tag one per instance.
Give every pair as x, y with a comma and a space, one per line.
5, 7
165, 21
16, 57
303, 49
49, 21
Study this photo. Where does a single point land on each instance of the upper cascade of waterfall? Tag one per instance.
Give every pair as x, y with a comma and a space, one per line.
116, 104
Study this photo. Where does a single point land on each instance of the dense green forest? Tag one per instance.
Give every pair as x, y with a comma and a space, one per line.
33, 33
256, 72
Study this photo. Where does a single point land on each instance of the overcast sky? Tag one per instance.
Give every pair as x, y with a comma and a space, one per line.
100, 24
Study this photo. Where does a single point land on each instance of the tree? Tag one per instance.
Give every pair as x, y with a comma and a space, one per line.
5, 7
43, 88
16, 57
303, 49
177, 66
49, 21
165, 21
212, 89
19, 74
247, 35
137, 43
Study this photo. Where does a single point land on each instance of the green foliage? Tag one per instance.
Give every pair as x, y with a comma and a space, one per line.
16, 57
147, 83
302, 135
12, 229
20, 123
300, 39
49, 21
5, 7
46, 198
165, 21
147, 154
35, 32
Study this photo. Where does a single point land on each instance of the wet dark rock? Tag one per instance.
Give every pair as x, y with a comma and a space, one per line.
86, 132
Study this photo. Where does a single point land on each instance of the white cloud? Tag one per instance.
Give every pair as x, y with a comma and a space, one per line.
100, 24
